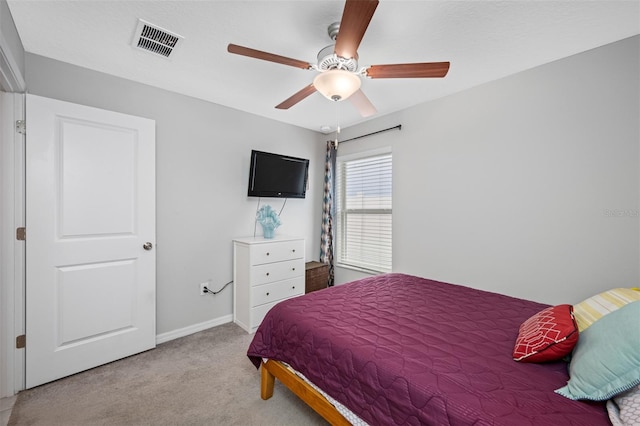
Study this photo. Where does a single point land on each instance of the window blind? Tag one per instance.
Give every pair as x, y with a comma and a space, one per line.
364, 212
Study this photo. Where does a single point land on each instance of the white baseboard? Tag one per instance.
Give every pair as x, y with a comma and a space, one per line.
170, 335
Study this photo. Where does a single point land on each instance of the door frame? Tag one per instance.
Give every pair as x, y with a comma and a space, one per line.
12, 262
12, 211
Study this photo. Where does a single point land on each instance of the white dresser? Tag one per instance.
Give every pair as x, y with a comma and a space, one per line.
265, 272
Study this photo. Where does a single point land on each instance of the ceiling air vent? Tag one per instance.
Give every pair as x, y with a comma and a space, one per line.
154, 39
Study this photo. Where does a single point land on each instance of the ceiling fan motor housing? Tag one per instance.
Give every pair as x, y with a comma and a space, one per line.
328, 60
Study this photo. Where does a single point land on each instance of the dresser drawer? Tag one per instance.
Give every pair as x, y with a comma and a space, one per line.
276, 251
271, 272
272, 292
258, 313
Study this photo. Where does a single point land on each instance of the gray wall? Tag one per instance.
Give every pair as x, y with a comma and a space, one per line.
202, 170
527, 185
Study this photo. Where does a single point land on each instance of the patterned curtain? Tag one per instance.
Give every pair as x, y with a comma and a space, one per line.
328, 210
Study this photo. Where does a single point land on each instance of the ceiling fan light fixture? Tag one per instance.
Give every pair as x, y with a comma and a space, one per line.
337, 85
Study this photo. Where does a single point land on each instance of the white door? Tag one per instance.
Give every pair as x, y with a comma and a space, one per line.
90, 210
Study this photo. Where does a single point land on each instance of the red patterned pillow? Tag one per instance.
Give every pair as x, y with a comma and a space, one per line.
548, 335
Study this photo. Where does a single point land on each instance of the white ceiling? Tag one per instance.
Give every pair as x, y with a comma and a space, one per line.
483, 40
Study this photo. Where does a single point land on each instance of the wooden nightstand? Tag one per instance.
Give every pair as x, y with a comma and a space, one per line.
316, 276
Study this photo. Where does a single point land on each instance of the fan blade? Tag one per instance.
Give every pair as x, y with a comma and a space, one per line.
297, 97
418, 70
362, 104
265, 56
355, 19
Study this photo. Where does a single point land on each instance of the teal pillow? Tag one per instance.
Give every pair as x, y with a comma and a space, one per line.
606, 360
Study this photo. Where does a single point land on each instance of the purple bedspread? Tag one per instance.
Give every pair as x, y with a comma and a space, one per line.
399, 349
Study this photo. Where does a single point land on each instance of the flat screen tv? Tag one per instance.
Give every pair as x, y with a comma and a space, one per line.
275, 175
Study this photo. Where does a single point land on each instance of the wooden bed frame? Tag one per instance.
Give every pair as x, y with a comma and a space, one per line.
271, 370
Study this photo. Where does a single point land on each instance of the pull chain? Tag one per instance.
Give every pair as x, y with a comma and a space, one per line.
337, 126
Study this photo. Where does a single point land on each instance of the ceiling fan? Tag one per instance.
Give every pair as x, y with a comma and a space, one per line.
339, 77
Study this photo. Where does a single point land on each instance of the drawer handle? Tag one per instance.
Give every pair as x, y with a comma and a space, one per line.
294, 250
267, 274
293, 269
267, 293
267, 253
294, 287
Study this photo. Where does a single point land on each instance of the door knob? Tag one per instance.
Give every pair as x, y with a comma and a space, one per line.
147, 246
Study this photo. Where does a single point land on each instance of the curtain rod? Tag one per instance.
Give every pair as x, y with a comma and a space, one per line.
399, 127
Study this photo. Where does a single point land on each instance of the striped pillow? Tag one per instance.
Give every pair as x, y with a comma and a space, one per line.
592, 309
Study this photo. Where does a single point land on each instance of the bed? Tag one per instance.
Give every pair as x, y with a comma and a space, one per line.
399, 349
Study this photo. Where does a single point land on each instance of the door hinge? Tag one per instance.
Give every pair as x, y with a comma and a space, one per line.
21, 234
21, 341
21, 127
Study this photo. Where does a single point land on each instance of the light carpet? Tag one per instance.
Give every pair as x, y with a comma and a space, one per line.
201, 379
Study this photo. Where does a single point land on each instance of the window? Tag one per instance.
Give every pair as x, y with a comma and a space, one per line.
363, 211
